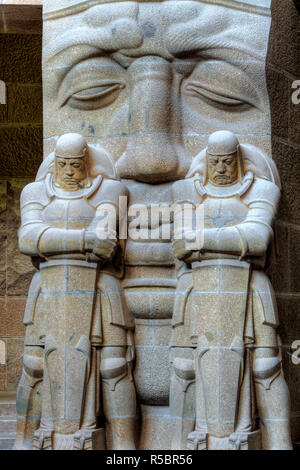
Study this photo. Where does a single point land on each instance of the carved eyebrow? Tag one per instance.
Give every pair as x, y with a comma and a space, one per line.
112, 37
185, 36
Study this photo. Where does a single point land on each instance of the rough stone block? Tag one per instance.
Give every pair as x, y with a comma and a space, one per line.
152, 374
3, 235
289, 311
287, 159
294, 258
2, 378
19, 267
3, 112
20, 145
279, 270
15, 347
156, 428
20, 58
284, 36
11, 316
279, 95
21, 17
25, 103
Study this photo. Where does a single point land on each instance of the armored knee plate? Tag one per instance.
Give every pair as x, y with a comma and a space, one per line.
113, 370
33, 368
266, 370
184, 371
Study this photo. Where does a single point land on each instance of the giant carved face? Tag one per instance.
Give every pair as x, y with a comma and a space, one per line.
150, 80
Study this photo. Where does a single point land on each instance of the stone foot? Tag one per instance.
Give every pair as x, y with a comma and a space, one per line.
239, 441
196, 441
42, 440
89, 439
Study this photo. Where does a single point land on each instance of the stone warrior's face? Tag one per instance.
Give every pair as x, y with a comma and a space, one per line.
70, 173
222, 169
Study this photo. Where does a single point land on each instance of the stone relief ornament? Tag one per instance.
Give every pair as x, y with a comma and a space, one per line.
224, 339
145, 84
75, 307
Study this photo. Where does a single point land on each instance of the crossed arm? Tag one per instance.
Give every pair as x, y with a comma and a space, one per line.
38, 238
251, 237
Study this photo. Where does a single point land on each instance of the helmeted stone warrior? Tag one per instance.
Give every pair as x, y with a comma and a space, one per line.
77, 324
224, 340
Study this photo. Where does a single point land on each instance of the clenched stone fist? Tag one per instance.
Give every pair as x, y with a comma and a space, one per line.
180, 250
103, 248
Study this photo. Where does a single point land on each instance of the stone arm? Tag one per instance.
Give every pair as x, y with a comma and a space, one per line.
251, 237
101, 236
37, 238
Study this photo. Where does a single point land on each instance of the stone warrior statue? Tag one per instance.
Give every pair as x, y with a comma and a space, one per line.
224, 325
76, 320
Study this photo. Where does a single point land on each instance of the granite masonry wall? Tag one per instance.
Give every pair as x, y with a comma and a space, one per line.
21, 154
283, 68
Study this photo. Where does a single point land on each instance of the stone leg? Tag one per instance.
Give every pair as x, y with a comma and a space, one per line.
67, 370
91, 402
29, 398
89, 437
182, 408
198, 439
245, 437
273, 399
119, 397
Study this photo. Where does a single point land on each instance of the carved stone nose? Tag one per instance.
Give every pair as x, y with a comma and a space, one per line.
154, 146
220, 167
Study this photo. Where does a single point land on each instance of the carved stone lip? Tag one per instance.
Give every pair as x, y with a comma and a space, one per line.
221, 178
70, 180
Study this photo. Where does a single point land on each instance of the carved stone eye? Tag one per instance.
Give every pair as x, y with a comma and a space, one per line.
96, 97
198, 89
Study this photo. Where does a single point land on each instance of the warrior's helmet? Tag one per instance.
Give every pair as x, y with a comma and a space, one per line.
71, 146
225, 143
222, 143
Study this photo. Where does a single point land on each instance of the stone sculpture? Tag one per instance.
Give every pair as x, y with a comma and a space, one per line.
224, 324
149, 81
77, 322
